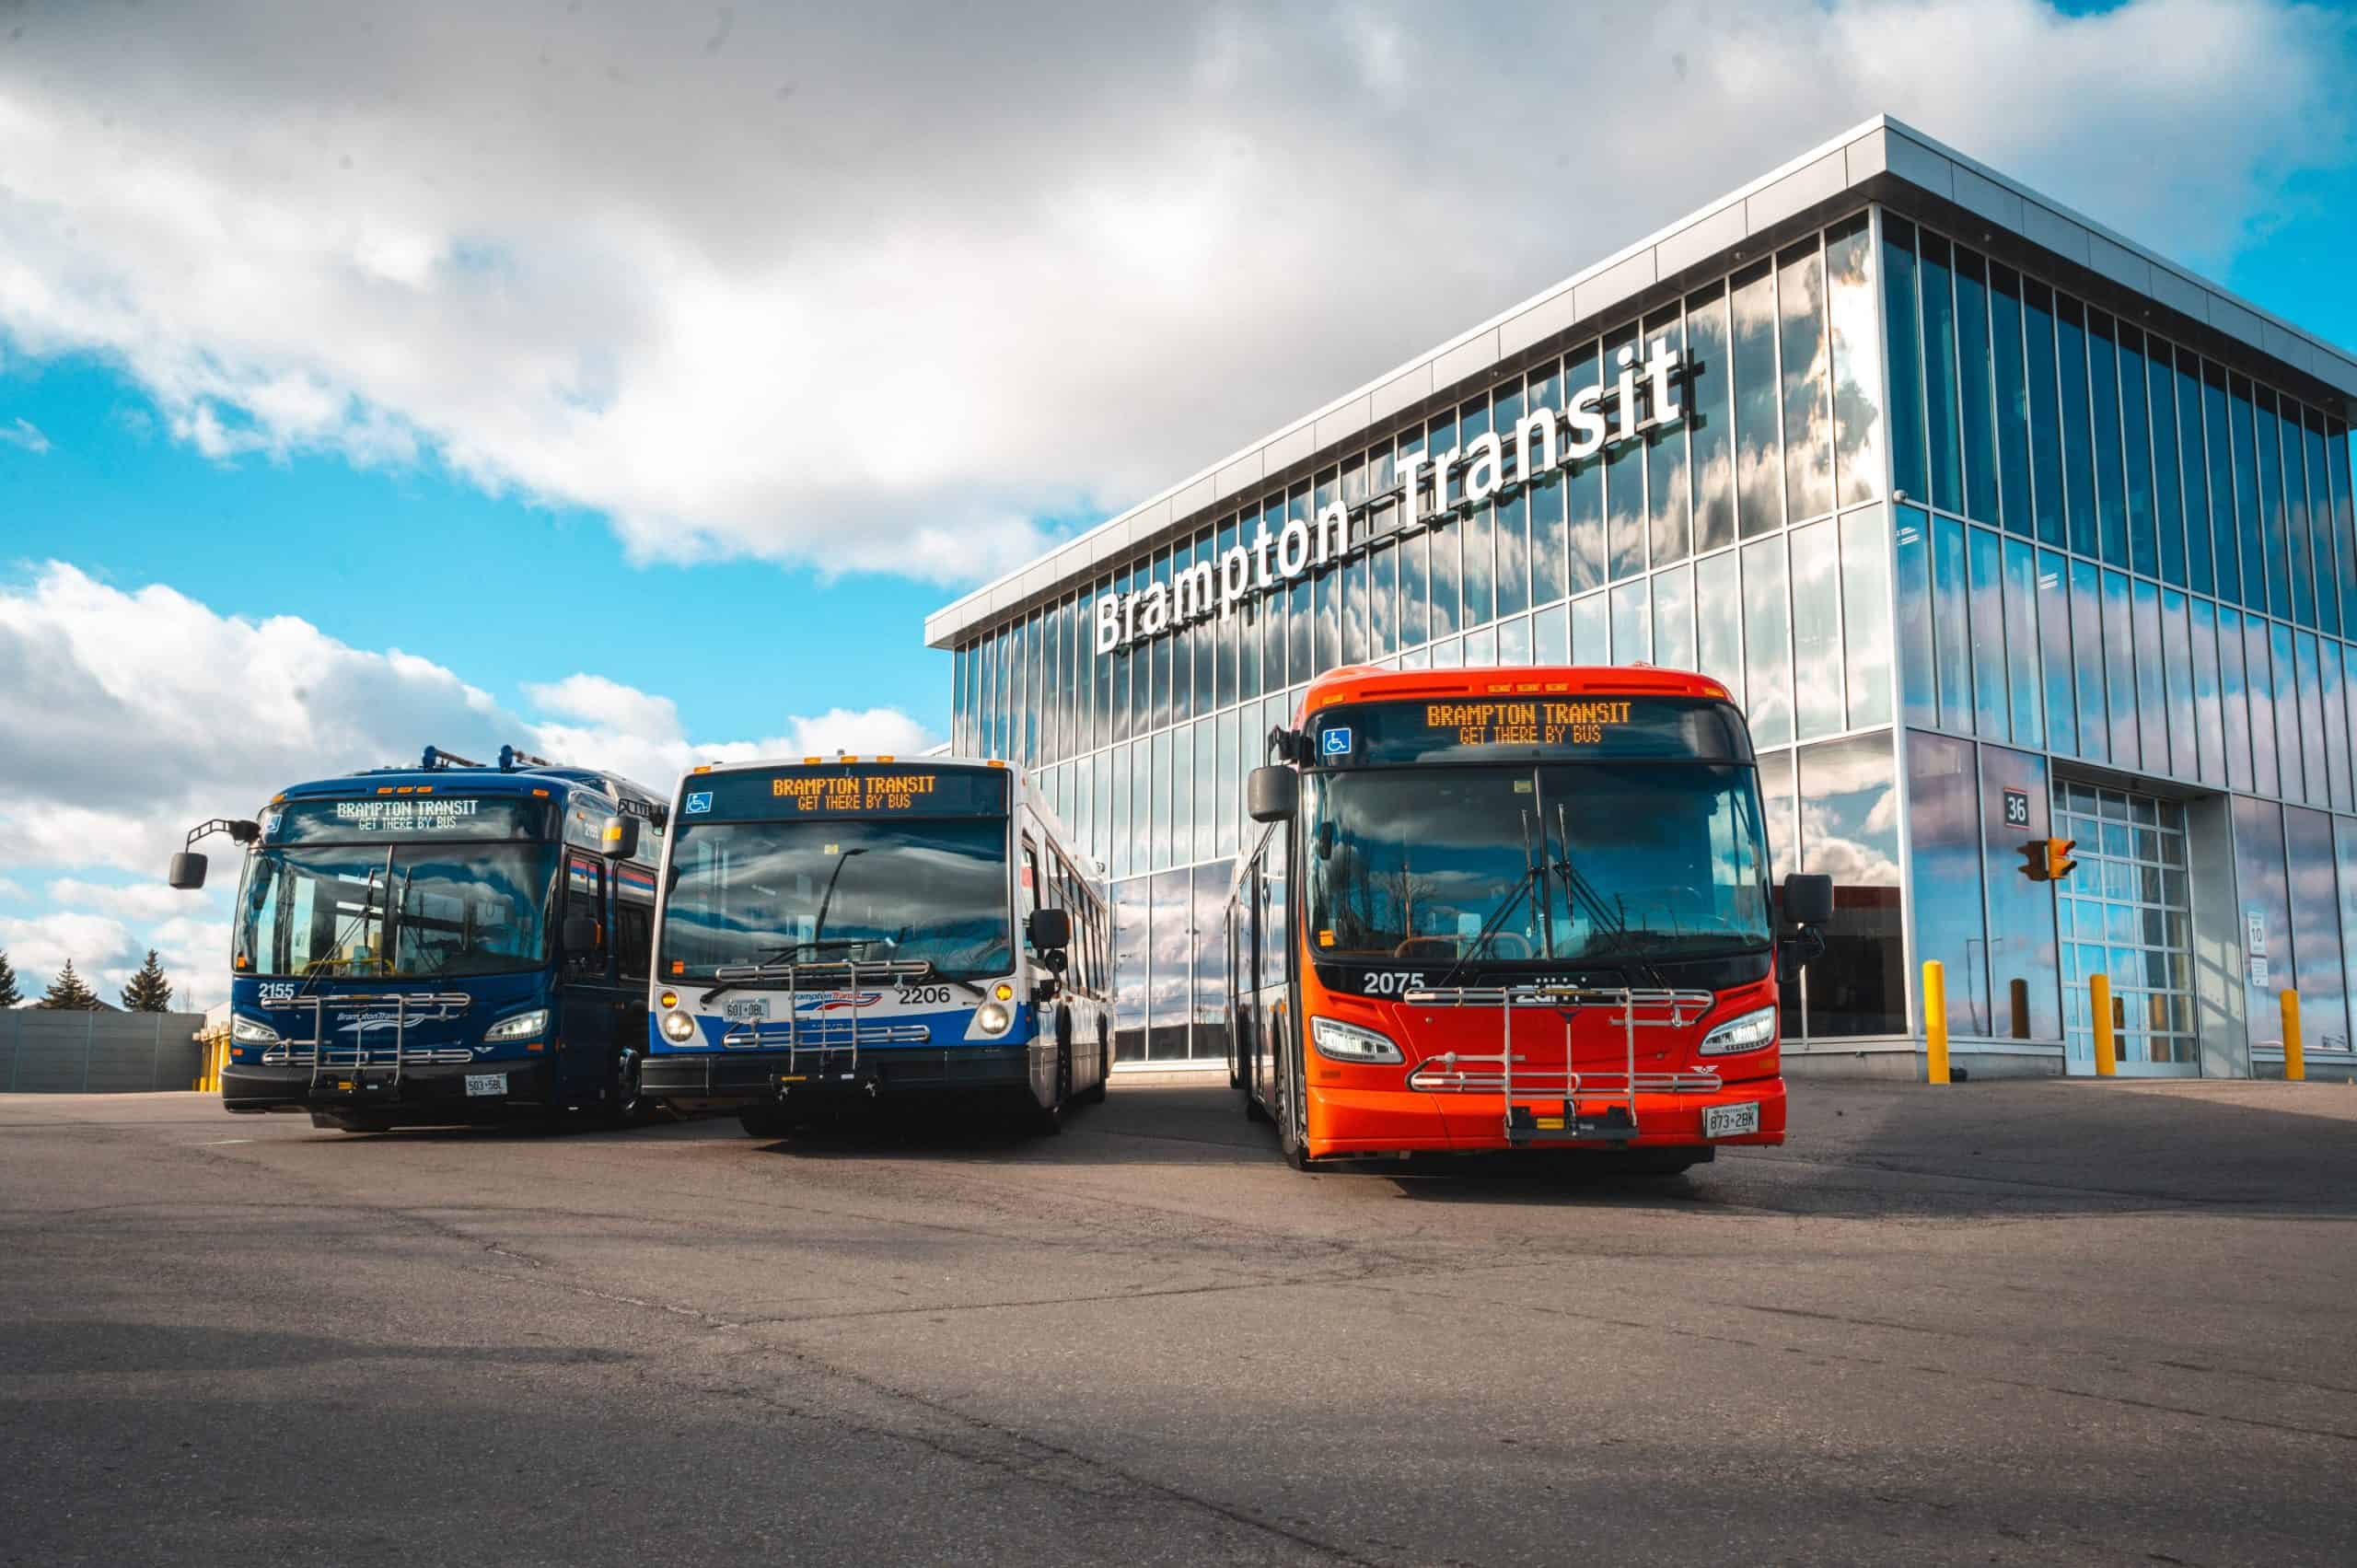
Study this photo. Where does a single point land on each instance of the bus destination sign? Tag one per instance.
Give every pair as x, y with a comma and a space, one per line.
1528, 723
837, 789
844, 793
1526, 729
411, 816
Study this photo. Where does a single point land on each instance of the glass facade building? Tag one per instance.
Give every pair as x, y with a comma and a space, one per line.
1995, 535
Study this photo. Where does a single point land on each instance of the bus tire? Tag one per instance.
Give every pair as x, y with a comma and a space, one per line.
1287, 1113
626, 1105
1095, 1092
769, 1122
1050, 1118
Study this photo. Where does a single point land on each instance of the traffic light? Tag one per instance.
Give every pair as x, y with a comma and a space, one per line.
2059, 863
2048, 860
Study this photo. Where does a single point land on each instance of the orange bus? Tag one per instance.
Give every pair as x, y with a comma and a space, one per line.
1491, 909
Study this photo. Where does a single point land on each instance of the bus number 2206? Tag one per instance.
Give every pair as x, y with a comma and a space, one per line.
1394, 982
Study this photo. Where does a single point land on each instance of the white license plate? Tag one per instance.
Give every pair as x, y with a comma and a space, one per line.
751, 1010
1727, 1121
486, 1084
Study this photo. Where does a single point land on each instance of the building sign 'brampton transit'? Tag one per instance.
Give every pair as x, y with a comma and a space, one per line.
1428, 487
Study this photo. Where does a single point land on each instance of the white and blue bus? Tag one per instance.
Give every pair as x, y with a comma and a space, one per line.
840, 932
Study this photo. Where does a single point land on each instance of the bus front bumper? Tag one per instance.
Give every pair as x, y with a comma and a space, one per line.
746, 1078
420, 1093
1344, 1123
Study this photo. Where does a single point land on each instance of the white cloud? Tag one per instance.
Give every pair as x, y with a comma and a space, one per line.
879, 291
129, 717
26, 434
10, 889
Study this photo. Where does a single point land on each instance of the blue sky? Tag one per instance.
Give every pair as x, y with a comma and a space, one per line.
630, 387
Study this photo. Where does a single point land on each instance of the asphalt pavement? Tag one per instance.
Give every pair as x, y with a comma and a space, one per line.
2052, 1322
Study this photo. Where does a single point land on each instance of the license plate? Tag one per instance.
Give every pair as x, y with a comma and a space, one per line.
1727, 1121
486, 1082
753, 1010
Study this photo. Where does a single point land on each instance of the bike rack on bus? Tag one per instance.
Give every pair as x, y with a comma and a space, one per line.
1463, 1072
834, 1041
326, 1057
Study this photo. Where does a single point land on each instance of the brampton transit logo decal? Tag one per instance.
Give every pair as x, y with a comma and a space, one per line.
839, 1002
1640, 397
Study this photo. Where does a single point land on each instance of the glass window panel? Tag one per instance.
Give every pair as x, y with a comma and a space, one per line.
1848, 827
1543, 503
1767, 642
1163, 707
1865, 616
1819, 707
1624, 472
2337, 446
2136, 438
1182, 796
1940, 374
1673, 618
1850, 311
2103, 383
1131, 906
2177, 652
2119, 669
1210, 912
1758, 452
1666, 483
1806, 359
1415, 594
2078, 436
1584, 490
1591, 630
2331, 690
1718, 647
2259, 672
2208, 721
1551, 634
2287, 709
2248, 527
2024, 962
1169, 985
2012, 400
1632, 639
1445, 546
2045, 415
1118, 814
2320, 529
1514, 532
2345, 859
2311, 551
1448, 653
1159, 800
1989, 680
2193, 482
1352, 577
1513, 640
1918, 678
1477, 529
2265, 910
2281, 599
1299, 625
1383, 595
1910, 465
2168, 510
1710, 417
2152, 705
2054, 635
1225, 625
1944, 829
2318, 787
2233, 697
1952, 624
2086, 634
1975, 375
2314, 931
2216, 445
2025, 686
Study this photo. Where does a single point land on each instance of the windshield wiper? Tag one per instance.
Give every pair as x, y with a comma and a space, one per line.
1522, 886
771, 956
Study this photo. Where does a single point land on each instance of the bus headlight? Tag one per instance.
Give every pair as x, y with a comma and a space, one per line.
993, 1018
678, 1027
1337, 1041
519, 1027
1748, 1033
251, 1031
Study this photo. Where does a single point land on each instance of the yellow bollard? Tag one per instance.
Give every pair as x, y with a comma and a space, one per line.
1935, 1021
2295, 1056
2107, 1050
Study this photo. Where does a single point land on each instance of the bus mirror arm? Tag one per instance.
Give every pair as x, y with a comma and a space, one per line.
188, 867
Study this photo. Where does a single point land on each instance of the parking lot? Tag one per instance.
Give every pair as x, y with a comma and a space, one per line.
2037, 1322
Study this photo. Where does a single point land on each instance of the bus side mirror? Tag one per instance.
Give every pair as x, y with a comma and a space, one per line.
1271, 794
622, 838
580, 935
187, 870
1808, 897
1048, 931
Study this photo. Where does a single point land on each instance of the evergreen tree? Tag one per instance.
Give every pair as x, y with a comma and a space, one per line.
148, 992
9, 996
66, 993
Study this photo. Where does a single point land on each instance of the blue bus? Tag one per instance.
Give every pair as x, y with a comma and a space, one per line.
839, 932
442, 945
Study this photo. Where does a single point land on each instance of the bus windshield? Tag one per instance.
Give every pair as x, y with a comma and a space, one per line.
405, 911
784, 892
1583, 862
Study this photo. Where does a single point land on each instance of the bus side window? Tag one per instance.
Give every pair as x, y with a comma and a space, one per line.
1276, 951
633, 922
585, 877
1030, 876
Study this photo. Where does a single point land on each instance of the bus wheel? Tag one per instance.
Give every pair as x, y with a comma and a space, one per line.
626, 1104
1253, 1109
1095, 1092
1289, 1138
765, 1121
1050, 1118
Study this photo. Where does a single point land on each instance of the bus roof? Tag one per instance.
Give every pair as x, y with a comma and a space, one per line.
548, 779
1366, 683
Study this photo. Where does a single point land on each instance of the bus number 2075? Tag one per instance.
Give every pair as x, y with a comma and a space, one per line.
1394, 982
